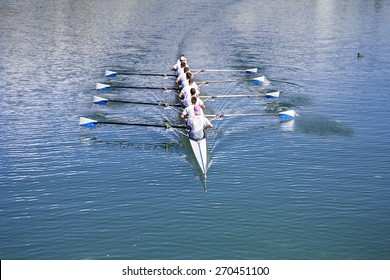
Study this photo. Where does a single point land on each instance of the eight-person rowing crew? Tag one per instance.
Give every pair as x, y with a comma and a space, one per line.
192, 105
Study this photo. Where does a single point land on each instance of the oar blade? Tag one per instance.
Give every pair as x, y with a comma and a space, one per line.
251, 71
100, 100
110, 74
86, 122
271, 95
100, 86
258, 80
287, 115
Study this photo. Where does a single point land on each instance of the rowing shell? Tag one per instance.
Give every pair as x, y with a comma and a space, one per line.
199, 148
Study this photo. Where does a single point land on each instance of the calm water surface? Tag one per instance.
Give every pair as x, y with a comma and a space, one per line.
314, 188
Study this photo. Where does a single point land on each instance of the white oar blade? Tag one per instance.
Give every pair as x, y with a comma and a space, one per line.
274, 94
101, 86
251, 71
100, 100
258, 80
87, 122
110, 74
287, 115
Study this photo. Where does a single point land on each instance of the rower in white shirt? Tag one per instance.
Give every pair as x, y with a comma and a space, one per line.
189, 110
186, 81
180, 70
187, 101
198, 124
191, 84
185, 93
179, 61
182, 76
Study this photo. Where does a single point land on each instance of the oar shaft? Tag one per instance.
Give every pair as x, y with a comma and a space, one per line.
145, 74
231, 96
241, 115
141, 124
107, 86
221, 70
145, 103
224, 81
133, 124
142, 87
248, 115
252, 70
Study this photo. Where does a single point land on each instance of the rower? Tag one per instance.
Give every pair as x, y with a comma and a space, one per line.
189, 110
187, 101
198, 124
180, 71
179, 61
182, 76
192, 83
185, 93
186, 81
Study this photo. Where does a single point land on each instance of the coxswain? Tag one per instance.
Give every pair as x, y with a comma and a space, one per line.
198, 124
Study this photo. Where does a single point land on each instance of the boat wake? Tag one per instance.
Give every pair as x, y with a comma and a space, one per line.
323, 126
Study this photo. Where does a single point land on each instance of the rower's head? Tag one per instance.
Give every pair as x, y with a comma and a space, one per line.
193, 100
189, 75
183, 64
182, 58
197, 110
193, 91
186, 69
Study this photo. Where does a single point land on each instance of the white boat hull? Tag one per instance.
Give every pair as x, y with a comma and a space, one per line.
199, 148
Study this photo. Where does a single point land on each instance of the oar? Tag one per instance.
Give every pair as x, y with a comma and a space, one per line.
231, 96
113, 74
268, 95
247, 71
285, 115
101, 86
86, 122
240, 115
255, 81
103, 101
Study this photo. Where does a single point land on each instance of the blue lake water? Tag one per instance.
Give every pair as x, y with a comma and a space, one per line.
317, 187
